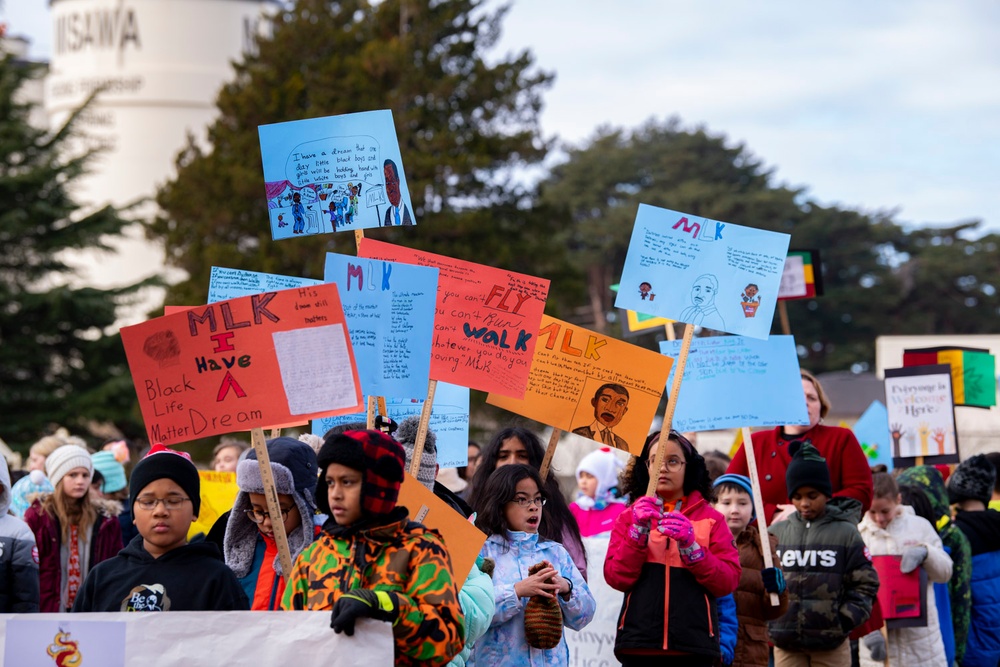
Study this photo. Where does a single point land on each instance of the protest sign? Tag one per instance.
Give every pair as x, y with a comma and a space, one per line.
192, 639
704, 272
921, 415
591, 384
461, 537
226, 283
723, 380
218, 493
639, 322
389, 308
802, 276
449, 421
872, 431
485, 320
267, 359
594, 645
973, 372
325, 175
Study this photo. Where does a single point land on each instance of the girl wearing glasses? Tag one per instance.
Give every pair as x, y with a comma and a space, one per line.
530, 574
673, 556
73, 532
249, 545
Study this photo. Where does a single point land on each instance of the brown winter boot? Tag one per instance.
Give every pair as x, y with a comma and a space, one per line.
542, 617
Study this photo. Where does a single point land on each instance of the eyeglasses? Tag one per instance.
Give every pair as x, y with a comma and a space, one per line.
673, 464
171, 503
258, 516
527, 502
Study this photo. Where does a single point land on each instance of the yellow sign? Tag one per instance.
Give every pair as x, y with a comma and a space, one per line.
218, 493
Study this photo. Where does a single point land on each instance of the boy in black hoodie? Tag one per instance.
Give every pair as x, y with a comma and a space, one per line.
158, 570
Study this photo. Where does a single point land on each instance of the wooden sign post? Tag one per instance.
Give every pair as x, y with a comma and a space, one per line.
543, 470
758, 503
273, 507
668, 415
425, 420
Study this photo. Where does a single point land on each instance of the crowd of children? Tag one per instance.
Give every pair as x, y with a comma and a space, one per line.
689, 557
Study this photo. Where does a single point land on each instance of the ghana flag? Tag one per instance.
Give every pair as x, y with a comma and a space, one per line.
973, 372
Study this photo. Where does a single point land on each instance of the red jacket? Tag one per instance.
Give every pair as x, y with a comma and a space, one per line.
105, 542
850, 474
670, 607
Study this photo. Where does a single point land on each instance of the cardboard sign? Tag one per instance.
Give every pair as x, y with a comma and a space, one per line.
461, 537
595, 644
449, 421
226, 283
218, 494
723, 382
267, 359
191, 638
636, 322
872, 431
802, 277
592, 385
973, 372
704, 272
485, 323
921, 415
325, 175
389, 307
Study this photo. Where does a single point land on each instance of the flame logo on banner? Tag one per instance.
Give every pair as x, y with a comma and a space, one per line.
64, 651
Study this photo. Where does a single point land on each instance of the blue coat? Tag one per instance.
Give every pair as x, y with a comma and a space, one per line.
982, 649
504, 644
476, 598
728, 626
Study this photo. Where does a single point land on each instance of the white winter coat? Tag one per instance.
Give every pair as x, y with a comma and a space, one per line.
911, 647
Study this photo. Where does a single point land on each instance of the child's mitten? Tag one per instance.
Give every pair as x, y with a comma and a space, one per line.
913, 556
875, 643
543, 618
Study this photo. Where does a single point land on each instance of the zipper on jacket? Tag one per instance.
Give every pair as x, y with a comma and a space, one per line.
708, 610
628, 598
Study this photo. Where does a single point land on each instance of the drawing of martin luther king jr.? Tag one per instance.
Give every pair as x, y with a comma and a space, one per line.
610, 405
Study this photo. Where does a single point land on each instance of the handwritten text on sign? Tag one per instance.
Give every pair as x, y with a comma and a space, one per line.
261, 360
593, 385
485, 321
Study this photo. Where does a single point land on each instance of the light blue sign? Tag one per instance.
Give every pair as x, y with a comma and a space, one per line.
872, 431
712, 274
735, 381
389, 308
325, 175
449, 421
232, 283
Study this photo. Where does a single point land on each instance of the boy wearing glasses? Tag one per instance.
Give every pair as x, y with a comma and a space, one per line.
249, 546
158, 570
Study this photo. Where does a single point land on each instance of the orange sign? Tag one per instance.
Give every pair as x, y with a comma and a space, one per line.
461, 537
592, 385
273, 358
485, 321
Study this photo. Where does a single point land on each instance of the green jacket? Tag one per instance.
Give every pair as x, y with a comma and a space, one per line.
830, 578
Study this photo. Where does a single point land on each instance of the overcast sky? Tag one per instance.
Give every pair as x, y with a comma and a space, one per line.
869, 105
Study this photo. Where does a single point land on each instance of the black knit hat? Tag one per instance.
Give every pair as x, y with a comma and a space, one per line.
807, 468
377, 456
973, 479
166, 463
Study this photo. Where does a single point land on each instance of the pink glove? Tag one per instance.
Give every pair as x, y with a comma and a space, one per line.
677, 527
647, 510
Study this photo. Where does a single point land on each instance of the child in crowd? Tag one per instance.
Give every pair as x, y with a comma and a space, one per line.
371, 560
114, 488
226, 455
73, 532
18, 565
36, 483
890, 528
734, 501
930, 481
673, 556
831, 580
159, 570
530, 574
249, 545
970, 487
476, 594
598, 502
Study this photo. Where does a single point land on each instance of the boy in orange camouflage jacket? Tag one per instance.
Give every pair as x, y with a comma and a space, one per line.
371, 560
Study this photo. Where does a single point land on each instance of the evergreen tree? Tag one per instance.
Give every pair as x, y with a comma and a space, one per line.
61, 361
463, 123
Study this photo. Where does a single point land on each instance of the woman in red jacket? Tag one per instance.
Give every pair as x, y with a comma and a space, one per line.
73, 532
849, 471
672, 556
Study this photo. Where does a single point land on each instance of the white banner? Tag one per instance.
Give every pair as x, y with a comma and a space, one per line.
192, 639
594, 646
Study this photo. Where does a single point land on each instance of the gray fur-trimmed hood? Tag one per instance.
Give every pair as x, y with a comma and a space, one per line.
241, 533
